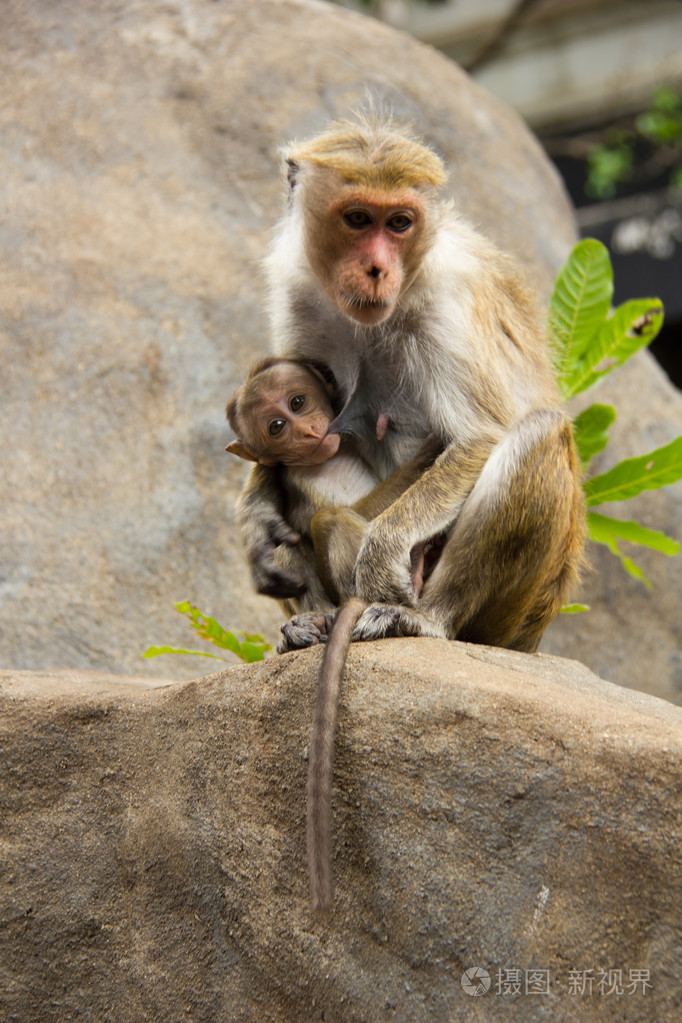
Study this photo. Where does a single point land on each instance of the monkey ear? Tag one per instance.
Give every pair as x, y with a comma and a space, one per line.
324, 375
236, 447
242, 451
292, 170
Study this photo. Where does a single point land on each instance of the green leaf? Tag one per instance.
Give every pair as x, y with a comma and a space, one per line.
604, 535
606, 167
608, 531
208, 628
633, 475
155, 651
666, 99
251, 652
574, 609
590, 430
251, 648
580, 302
659, 127
633, 326
603, 525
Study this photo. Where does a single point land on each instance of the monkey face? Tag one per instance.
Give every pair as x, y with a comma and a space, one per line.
365, 245
288, 422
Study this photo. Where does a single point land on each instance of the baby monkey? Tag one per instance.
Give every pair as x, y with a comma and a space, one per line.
282, 416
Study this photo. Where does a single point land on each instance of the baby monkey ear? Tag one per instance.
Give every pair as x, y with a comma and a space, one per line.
242, 451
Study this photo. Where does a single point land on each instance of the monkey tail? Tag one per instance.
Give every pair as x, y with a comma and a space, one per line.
321, 755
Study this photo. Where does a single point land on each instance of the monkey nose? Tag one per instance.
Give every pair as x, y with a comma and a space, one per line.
312, 432
374, 272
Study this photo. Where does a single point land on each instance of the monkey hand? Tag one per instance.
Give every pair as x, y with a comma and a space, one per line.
305, 630
380, 620
384, 571
266, 534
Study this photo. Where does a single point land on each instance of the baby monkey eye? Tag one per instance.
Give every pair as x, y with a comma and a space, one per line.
297, 402
275, 427
399, 222
357, 218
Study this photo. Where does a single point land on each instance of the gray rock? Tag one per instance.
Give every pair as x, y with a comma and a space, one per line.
139, 183
491, 809
633, 635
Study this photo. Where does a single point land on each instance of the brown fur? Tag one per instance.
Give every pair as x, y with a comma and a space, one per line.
336, 534
432, 329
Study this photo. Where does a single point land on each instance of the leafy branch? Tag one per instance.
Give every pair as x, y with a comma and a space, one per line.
589, 341
636, 149
249, 648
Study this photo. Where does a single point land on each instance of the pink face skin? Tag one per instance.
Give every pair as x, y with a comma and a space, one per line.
366, 249
290, 423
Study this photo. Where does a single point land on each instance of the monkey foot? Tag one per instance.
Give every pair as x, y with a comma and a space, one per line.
304, 630
380, 620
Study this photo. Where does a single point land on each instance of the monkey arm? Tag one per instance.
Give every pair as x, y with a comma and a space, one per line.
263, 528
385, 493
384, 570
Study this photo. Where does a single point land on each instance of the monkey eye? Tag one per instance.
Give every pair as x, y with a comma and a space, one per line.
399, 222
357, 218
297, 402
275, 427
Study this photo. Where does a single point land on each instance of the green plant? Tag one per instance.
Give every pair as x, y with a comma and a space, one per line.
642, 147
589, 341
250, 648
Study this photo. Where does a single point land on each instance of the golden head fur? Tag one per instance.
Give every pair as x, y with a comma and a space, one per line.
372, 153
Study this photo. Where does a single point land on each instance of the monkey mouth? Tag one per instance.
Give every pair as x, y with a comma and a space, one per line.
316, 454
367, 310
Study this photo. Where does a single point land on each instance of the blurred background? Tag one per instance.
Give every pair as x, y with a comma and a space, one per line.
600, 84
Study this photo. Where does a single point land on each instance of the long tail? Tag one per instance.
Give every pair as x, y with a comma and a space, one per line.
321, 755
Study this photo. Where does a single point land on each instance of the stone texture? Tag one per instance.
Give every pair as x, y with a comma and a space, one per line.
633, 635
138, 183
490, 809
139, 176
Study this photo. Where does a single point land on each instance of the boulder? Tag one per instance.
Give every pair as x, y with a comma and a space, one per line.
140, 182
492, 811
633, 633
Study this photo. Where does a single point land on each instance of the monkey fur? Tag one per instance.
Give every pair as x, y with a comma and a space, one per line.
427, 331
281, 415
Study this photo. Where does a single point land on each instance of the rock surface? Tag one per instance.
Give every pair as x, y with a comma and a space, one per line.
139, 184
491, 810
633, 634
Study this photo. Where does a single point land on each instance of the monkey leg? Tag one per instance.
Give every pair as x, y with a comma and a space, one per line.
264, 533
512, 552
337, 534
379, 620
299, 561
516, 546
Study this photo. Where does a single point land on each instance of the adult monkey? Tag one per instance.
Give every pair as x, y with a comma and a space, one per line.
424, 325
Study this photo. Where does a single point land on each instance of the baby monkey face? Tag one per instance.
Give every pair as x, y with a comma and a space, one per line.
289, 424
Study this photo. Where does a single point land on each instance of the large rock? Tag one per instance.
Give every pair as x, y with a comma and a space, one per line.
633, 634
491, 810
139, 182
